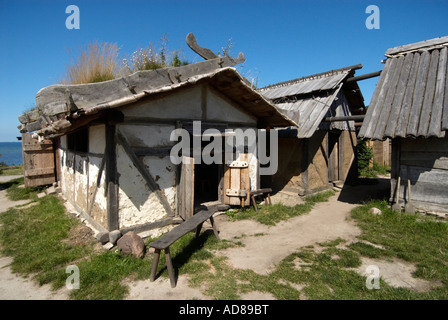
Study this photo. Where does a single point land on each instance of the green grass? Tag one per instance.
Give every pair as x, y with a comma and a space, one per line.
418, 239
273, 214
375, 170
16, 191
33, 236
11, 170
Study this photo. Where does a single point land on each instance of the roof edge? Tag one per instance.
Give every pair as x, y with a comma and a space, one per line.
426, 44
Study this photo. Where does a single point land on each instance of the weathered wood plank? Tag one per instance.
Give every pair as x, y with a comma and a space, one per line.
39, 171
369, 126
425, 145
445, 103
417, 45
402, 122
111, 178
425, 114
422, 174
437, 106
395, 112
428, 160
386, 102
419, 93
38, 162
182, 229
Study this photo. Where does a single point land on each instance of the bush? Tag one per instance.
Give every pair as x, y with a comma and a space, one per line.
364, 153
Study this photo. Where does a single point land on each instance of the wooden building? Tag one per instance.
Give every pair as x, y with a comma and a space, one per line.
321, 150
113, 142
410, 106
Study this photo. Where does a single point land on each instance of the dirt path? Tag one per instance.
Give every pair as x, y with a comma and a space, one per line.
13, 286
327, 221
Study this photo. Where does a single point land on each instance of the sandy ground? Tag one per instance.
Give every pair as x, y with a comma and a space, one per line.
264, 247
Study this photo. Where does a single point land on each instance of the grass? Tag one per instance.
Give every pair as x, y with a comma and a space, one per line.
15, 190
96, 62
375, 170
36, 238
272, 214
11, 170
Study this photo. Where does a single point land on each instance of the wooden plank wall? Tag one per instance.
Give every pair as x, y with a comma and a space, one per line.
425, 163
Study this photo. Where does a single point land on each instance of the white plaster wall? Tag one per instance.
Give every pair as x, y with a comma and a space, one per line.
81, 181
147, 135
185, 104
97, 139
98, 206
164, 173
218, 109
137, 204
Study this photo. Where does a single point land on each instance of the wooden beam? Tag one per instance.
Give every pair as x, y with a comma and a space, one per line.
111, 178
364, 76
346, 118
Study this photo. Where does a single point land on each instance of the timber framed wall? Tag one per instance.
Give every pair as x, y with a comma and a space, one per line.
83, 177
126, 180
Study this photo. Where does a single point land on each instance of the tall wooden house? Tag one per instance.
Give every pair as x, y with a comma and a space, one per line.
113, 142
410, 106
321, 150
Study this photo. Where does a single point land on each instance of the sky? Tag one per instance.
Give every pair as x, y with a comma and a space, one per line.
281, 40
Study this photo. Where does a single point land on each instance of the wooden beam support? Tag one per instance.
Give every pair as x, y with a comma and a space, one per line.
111, 178
364, 76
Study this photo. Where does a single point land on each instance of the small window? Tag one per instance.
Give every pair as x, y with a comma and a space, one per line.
79, 140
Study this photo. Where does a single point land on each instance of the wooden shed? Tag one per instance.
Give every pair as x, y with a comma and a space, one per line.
321, 150
410, 106
114, 142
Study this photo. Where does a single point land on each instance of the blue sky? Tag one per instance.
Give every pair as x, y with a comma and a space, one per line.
281, 39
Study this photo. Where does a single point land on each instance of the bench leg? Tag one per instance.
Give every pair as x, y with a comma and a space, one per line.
253, 202
215, 231
269, 197
169, 266
155, 262
198, 230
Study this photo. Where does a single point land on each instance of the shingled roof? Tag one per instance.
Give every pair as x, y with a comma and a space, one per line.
62, 108
411, 96
309, 99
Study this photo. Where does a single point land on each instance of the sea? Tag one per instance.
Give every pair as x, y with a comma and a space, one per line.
11, 153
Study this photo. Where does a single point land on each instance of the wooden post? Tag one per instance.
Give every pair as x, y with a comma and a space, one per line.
169, 266
155, 263
111, 178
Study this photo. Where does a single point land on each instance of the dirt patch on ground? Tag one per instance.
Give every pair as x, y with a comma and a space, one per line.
397, 273
327, 221
80, 235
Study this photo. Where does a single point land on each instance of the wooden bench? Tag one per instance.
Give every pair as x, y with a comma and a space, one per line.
266, 194
185, 227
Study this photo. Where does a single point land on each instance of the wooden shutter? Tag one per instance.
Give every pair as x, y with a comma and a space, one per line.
236, 181
38, 161
185, 192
